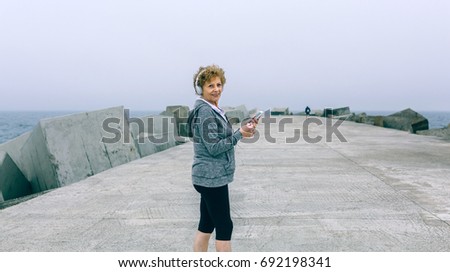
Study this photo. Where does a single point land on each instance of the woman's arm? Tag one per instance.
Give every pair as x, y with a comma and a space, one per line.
213, 135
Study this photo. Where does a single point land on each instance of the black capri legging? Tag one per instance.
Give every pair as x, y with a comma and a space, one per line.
215, 212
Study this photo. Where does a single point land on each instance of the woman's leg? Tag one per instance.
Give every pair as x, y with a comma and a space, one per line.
215, 212
222, 219
205, 225
223, 246
201, 241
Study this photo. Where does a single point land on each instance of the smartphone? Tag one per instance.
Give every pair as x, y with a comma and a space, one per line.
258, 115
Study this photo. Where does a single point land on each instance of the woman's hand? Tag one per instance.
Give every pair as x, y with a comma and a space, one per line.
248, 130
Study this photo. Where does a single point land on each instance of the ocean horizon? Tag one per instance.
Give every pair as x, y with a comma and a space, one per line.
15, 123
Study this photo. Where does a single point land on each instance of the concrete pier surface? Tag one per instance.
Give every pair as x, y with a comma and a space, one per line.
380, 190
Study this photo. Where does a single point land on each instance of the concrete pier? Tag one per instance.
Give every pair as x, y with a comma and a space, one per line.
379, 190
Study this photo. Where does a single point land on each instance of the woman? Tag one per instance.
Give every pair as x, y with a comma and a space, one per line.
214, 164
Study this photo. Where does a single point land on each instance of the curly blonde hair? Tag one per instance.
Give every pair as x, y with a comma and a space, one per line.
205, 74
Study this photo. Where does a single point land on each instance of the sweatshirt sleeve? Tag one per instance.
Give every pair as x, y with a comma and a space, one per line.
210, 134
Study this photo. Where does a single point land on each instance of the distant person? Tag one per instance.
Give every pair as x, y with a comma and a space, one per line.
214, 164
307, 111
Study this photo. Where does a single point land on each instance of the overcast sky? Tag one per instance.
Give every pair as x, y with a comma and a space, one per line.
142, 54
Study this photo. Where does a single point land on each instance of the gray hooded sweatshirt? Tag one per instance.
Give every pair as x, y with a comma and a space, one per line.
214, 142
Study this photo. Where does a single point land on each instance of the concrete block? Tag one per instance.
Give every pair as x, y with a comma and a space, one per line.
332, 112
153, 134
236, 114
252, 112
378, 121
244, 110
341, 111
360, 118
407, 120
36, 157
67, 149
327, 112
181, 114
13, 183
280, 111
14, 150
317, 112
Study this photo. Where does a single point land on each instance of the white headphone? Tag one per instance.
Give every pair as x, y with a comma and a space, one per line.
198, 90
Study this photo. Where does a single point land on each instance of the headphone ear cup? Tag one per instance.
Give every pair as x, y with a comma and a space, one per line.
198, 90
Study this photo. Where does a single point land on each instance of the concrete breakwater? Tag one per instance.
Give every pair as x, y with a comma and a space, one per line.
406, 120
62, 150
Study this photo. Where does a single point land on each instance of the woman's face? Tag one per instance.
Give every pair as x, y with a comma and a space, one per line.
212, 90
